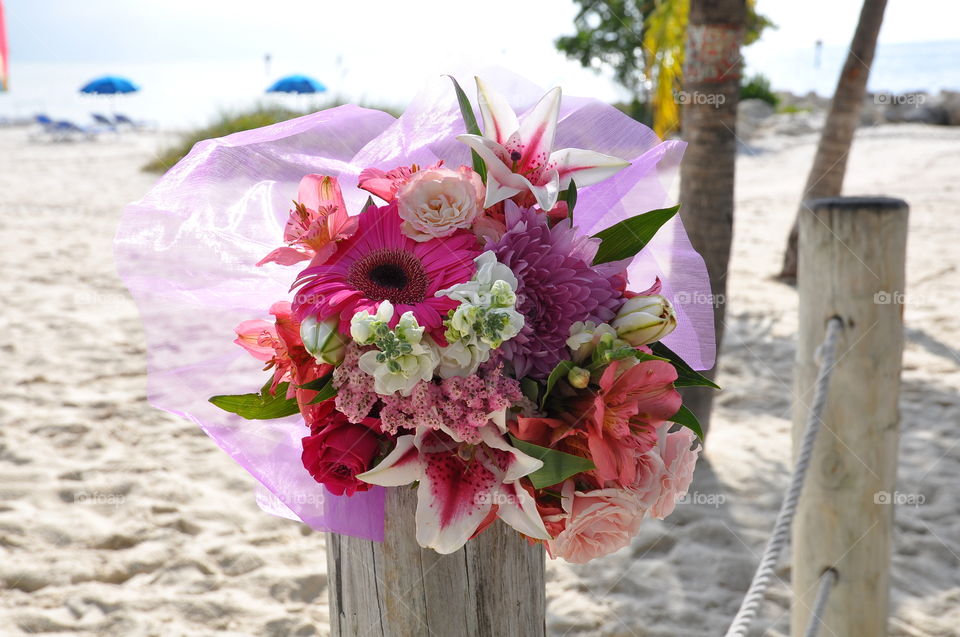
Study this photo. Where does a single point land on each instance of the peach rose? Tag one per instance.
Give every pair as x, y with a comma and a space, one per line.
438, 201
650, 472
679, 461
600, 522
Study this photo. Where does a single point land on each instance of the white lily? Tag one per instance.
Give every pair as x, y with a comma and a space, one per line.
460, 484
519, 155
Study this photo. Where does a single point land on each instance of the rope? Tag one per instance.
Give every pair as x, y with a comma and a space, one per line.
827, 580
781, 529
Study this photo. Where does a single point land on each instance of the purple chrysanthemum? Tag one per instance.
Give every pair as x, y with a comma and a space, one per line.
557, 286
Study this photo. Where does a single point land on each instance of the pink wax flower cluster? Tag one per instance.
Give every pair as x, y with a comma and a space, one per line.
464, 334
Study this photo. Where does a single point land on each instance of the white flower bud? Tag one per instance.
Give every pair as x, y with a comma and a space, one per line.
645, 319
578, 377
323, 340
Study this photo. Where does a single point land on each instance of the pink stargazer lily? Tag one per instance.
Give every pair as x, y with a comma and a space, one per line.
318, 220
519, 155
460, 484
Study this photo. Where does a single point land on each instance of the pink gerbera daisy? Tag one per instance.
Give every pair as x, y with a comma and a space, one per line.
380, 263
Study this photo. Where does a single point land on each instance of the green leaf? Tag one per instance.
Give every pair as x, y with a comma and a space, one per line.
686, 375
470, 123
530, 388
571, 199
557, 465
317, 383
560, 371
466, 109
619, 354
262, 406
478, 166
627, 238
686, 418
326, 392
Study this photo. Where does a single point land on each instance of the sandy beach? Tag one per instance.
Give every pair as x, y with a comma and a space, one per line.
120, 520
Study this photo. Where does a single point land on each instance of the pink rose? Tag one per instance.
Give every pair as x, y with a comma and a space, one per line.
438, 201
678, 461
650, 472
600, 522
338, 450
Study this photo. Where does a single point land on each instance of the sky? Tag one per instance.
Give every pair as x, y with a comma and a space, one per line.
156, 31
382, 50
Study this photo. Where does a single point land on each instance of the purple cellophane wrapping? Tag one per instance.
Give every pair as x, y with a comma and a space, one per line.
187, 252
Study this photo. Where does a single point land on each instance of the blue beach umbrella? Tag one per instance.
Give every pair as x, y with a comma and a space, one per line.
109, 85
296, 84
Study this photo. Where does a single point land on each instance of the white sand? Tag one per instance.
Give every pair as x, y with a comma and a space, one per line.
116, 519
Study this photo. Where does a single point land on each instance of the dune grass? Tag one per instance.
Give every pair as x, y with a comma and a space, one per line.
232, 122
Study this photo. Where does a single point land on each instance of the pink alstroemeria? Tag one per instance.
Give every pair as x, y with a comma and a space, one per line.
257, 337
318, 220
460, 484
386, 184
519, 155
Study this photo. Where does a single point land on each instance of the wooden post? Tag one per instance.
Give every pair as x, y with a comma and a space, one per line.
492, 587
852, 257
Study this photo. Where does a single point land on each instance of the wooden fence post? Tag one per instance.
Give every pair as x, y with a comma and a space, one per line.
852, 258
493, 587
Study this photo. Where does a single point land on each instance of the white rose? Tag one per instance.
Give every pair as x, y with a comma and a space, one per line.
438, 201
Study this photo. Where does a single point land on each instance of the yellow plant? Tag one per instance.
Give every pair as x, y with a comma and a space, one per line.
664, 41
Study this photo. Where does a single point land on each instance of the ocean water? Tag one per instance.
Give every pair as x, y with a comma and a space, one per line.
178, 95
897, 68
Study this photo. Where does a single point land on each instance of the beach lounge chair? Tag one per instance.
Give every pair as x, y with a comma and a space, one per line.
72, 128
104, 121
48, 127
123, 120
63, 130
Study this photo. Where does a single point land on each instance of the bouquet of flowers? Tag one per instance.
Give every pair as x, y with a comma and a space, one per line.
464, 331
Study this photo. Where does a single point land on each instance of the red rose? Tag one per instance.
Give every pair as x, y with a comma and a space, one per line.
338, 450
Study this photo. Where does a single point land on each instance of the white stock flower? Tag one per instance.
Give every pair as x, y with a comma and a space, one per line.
403, 356
586, 336
487, 315
462, 359
362, 325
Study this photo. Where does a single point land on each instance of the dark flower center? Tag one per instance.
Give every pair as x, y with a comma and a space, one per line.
389, 275
393, 275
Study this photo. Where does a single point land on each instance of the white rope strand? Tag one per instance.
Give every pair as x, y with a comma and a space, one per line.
827, 580
781, 528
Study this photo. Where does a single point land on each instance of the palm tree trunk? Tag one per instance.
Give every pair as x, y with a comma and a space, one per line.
830, 163
711, 91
